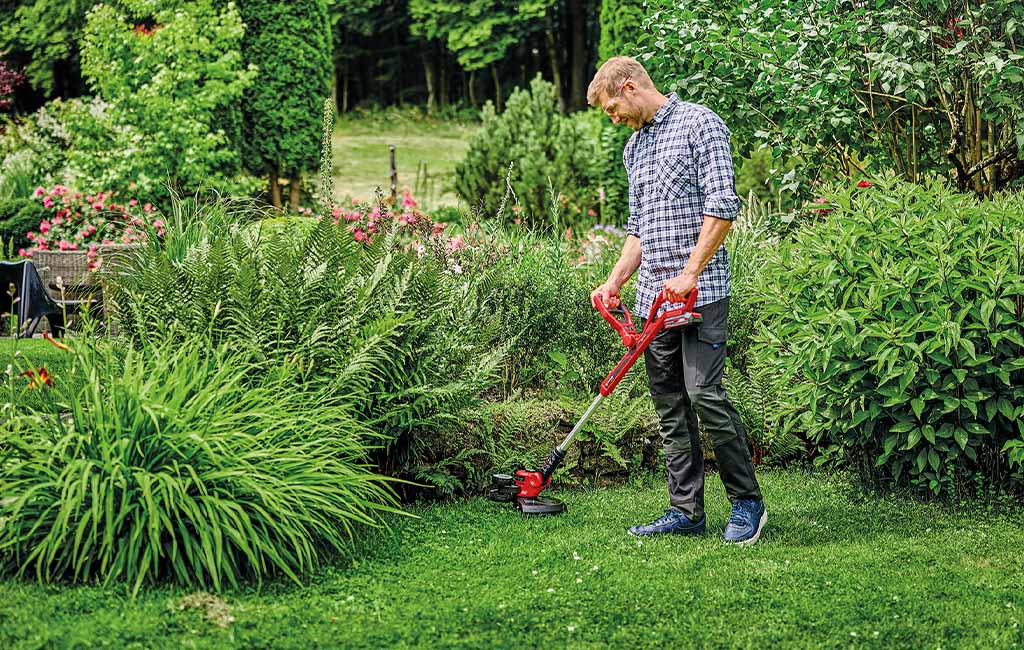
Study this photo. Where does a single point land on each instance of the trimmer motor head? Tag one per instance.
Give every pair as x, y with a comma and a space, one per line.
507, 488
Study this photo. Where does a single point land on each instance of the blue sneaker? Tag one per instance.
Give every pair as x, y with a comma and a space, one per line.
746, 522
672, 522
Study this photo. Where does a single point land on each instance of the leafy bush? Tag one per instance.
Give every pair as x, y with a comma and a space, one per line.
17, 218
290, 45
620, 439
398, 336
170, 89
549, 154
916, 86
185, 463
894, 328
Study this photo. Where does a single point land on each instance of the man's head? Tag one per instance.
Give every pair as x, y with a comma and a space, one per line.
624, 90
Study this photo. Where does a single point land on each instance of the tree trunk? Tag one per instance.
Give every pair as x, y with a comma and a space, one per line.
344, 93
556, 64
428, 71
578, 24
471, 86
498, 101
293, 194
442, 95
275, 189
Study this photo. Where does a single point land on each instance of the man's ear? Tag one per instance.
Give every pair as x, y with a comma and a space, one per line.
629, 86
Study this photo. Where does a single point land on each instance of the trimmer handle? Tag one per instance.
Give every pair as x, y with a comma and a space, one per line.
624, 327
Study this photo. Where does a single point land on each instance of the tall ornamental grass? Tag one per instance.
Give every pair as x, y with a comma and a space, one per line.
182, 462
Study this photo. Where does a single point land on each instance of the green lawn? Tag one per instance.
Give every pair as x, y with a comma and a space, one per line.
832, 571
361, 157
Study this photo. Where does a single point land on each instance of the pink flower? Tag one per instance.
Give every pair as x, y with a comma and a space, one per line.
158, 224
864, 183
91, 229
30, 236
47, 202
133, 202
44, 227
39, 192
591, 213
22, 252
147, 207
600, 195
98, 205
360, 235
407, 200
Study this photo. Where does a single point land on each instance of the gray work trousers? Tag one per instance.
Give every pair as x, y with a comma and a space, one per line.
684, 369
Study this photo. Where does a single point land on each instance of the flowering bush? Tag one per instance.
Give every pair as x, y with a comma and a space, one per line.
415, 227
79, 221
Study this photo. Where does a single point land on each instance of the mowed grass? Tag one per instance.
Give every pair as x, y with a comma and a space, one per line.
833, 571
362, 158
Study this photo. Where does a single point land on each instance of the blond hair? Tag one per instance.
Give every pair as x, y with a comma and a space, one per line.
611, 75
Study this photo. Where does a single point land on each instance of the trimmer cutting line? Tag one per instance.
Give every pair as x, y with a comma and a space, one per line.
525, 486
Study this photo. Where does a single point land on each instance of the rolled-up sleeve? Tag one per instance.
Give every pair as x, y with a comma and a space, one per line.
714, 169
633, 222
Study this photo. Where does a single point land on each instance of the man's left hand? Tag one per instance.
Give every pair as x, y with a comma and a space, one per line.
678, 288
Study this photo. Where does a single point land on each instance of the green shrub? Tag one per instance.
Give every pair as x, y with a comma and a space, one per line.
184, 463
169, 92
540, 293
894, 326
553, 173
620, 439
621, 26
290, 45
400, 338
17, 218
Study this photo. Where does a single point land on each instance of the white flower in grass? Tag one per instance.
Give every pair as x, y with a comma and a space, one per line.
579, 580
551, 590
535, 572
576, 556
571, 628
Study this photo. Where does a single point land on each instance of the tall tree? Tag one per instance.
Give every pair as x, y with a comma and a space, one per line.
479, 33
290, 44
621, 26
43, 37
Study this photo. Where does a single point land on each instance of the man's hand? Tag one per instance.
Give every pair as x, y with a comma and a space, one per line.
608, 294
678, 288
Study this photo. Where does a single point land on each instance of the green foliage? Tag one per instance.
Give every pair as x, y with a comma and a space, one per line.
894, 331
555, 164
17, 218
478, 32
844, 89
170, 90
399, 337
621, 27
46, 33
184, 463
290, 43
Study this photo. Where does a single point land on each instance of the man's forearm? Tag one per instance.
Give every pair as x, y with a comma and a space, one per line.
712, 234
628, 262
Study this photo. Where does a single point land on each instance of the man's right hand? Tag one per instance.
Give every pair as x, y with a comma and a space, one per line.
608, 293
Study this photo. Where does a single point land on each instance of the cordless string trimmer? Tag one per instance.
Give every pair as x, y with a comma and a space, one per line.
526, 485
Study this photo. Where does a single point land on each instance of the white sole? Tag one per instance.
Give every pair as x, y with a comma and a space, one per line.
757, 533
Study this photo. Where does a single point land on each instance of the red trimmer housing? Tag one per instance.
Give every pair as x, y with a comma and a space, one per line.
525, 486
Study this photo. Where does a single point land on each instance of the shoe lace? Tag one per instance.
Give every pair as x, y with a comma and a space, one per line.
665, 518
740, 511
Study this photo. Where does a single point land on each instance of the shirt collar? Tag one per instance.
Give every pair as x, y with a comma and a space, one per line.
665, 109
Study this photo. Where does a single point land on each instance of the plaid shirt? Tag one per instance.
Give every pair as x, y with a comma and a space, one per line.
680, 169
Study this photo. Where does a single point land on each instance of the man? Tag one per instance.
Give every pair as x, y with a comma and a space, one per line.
682, 202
